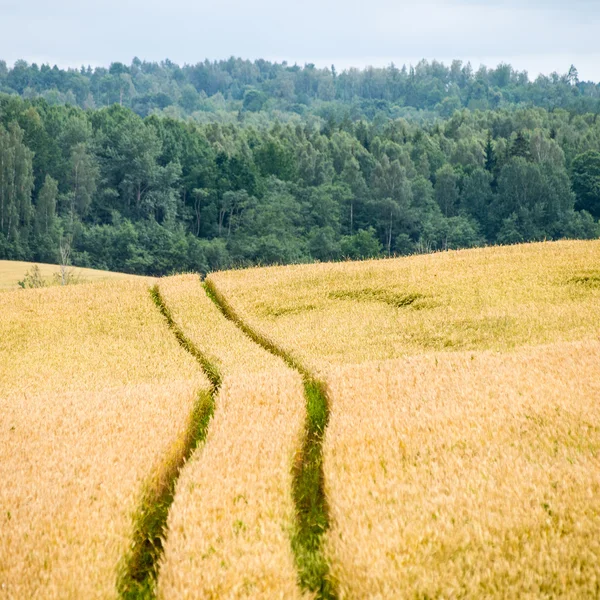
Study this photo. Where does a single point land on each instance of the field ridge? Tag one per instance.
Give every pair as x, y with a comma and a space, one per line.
140, 567
312, 511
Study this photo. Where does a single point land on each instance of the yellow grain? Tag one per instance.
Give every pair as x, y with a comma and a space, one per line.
465, 461
95, 392
467, 475
489, 298
461, 457
13, 271
231, 523
219, 339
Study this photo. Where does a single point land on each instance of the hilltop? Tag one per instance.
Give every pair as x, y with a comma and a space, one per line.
13, 271
419, 426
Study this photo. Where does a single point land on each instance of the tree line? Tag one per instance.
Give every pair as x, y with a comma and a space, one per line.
232, 89
159, 194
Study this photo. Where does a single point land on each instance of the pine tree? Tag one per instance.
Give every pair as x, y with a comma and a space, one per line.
490, 154
520, 146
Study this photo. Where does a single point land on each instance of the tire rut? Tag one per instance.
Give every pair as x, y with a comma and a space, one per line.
312, 511
139, 569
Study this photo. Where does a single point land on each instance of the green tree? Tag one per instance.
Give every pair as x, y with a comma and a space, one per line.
477, 197
446, 190
509, 231
45, 209
489, 153
269, 232
273, 157
586, 182
533, 197
189, 100
45, 225
353, 177
389, 179
393, 197
83, 178
363, 244
323, 243
520, 146
129, 152
254, 100
16, 182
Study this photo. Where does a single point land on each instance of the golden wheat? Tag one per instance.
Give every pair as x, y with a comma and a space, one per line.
490, 298
95, 397
13, 271
216, 337
467, 475
231, 522
461, 458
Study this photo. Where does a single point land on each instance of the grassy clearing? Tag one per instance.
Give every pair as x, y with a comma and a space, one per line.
491, 298
97, 400
467, 475
312, 518
13, 271
233, 514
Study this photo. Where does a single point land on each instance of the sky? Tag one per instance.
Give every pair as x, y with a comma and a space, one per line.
540, 36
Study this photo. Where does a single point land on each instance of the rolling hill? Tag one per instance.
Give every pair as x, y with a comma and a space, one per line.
415, 427
13, 271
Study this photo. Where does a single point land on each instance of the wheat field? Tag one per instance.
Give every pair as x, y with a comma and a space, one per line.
233, 515
488, 298
461, 456
445, 408
467, 475
13, 271
95, 398
232, 519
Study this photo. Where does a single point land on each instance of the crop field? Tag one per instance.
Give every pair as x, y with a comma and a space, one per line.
467, 475
421, 427
95, 402
13, 271
461, 457
233, 516
490, 298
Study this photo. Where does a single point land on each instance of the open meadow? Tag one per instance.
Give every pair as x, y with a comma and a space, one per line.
419, 427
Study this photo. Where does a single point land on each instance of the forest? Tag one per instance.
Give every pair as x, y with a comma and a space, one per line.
155, 168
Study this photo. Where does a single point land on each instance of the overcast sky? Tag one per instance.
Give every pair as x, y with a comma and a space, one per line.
540, 36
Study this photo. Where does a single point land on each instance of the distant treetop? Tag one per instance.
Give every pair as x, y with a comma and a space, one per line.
237, 86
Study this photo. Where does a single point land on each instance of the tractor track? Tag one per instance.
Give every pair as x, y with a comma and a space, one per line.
312, 511
138, 572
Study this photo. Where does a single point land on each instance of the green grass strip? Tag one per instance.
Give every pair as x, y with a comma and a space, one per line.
139, 569
209, 368
312, 512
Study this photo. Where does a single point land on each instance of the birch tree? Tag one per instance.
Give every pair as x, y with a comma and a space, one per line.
16, 182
